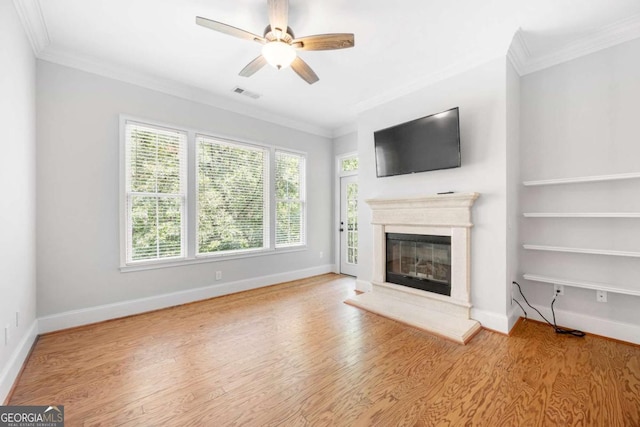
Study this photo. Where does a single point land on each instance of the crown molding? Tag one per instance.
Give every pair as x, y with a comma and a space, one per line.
33, 23
608, 36
518, 53
345, 130
180, 90
423, 82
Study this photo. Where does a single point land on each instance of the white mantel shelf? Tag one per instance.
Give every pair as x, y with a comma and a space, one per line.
440, 215
581, 179
441, 210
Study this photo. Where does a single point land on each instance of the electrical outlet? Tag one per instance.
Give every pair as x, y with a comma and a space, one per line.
218, 275
321, 254
558, 290
17, 319
601, 296
6, 334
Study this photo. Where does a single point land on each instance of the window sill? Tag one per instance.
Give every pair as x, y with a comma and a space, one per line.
203, 259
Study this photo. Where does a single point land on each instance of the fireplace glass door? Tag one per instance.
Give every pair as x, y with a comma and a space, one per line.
420, 261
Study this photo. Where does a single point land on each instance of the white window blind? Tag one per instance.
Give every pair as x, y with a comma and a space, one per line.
233, 201
155, 192
290, 199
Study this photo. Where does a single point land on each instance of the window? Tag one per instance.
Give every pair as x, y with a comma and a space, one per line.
290, 199
232, 196
349, 164
155, 192
187, 197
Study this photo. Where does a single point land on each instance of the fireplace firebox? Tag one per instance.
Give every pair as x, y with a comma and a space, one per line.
420, 262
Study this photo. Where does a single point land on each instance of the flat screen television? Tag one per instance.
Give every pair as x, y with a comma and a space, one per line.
425, 144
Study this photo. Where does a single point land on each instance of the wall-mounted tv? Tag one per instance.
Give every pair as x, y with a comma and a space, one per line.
425, 144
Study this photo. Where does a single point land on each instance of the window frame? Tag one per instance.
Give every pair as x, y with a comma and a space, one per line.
190, 223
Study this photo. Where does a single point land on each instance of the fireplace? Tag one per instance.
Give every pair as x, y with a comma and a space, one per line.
420, 262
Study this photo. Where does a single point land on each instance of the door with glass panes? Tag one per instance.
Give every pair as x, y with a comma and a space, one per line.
349, 225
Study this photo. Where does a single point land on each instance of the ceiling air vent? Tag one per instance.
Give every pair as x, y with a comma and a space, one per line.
245, 92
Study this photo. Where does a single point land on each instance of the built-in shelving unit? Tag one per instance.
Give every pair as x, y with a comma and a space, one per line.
581, 284
581, 214
589, 251
577, 180
582, 250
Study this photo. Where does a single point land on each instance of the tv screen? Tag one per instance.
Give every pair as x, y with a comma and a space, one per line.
425, 144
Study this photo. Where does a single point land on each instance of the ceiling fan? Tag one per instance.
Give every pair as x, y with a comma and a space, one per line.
279, 43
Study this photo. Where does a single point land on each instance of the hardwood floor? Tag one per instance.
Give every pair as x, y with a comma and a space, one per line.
295, 355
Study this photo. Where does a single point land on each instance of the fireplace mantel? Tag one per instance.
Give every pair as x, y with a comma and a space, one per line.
440, 215
442, 210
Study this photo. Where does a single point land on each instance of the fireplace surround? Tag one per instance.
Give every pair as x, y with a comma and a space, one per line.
447, 217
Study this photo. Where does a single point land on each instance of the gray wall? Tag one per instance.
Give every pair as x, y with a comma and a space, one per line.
345, 144
17, 185
481, 96
581, 118
78, 215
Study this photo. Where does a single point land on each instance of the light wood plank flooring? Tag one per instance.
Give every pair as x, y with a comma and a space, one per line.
295, 355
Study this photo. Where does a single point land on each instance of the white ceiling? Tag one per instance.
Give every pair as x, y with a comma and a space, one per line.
399, 46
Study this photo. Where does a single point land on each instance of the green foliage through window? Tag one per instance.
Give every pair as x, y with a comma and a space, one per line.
156, 196
247, 197
232, 197
349, 164
289, 199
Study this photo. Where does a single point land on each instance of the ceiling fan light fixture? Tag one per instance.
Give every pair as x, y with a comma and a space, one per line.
279, 54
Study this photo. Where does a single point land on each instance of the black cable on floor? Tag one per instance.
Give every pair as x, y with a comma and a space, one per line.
558, 330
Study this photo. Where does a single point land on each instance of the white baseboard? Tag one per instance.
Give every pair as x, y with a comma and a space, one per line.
363, 285
71, 319
595, 325
11, 370
490, 320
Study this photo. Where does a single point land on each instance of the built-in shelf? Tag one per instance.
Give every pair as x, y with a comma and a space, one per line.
580, 284
577, 180
582, 251
582, 214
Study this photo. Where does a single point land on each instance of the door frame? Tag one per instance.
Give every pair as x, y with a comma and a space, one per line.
336, 205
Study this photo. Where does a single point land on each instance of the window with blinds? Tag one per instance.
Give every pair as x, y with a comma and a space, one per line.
155, 181
232, 196
290, 199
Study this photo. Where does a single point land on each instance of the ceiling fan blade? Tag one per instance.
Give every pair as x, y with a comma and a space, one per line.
325, 42
278, 16
228, 29
253, 66
303, 70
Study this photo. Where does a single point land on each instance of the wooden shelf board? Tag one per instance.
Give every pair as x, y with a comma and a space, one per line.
578, 180
581, 215
581, 284
582, 251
